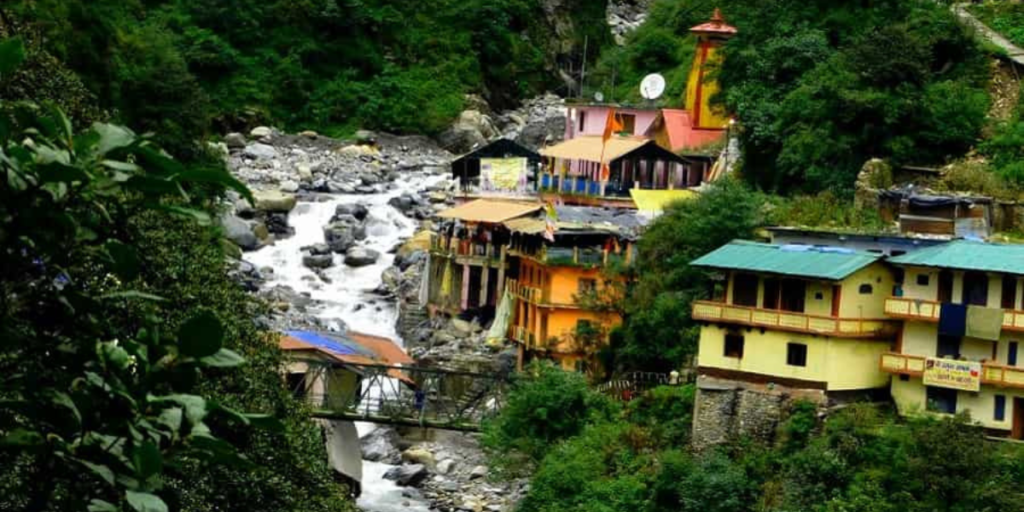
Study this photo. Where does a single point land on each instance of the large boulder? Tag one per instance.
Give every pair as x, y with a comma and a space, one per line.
240, 232
419, 456
407, 475
261, 132
339, 237
361, 257
366, 137
235, 140
317, 260
274, 201
380, 446
470, 130
357, 211
260, 151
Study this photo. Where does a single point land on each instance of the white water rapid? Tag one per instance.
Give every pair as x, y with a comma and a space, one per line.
350, 296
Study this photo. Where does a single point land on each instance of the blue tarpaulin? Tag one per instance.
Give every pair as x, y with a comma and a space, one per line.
335, 342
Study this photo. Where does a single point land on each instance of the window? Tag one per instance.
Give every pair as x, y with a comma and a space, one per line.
1011, 354
999, 411
922, 279
945, 286
771, 293
948, 346
975, 289
796, 354
296, 382
734, 345
1009, 292
866, 289
794, 292
628, 123
585, 286
744, 290
904, 377
583, 120
940, 400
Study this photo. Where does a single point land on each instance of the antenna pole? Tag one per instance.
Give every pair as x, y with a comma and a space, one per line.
583, 66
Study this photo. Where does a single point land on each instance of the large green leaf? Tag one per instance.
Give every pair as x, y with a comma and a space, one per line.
101, 506
219, 177
148, 460
195, 406
201, 336
112, 137
64, 400
99, 470
22, 438
12, 54
124, 259
224, 358
145, 502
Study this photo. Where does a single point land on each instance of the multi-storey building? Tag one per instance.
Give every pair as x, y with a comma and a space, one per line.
962, 310
806, 318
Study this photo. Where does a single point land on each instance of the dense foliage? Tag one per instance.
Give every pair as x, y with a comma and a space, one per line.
1005, 17
127, 353
820, 87
659, 334
860, 459
173, 66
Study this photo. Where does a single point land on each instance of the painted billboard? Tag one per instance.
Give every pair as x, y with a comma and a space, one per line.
953, 374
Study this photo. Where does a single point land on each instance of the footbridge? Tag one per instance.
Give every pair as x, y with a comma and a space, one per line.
401, 395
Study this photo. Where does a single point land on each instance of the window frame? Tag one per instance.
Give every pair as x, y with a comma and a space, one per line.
796, 354
733, 338
936, 390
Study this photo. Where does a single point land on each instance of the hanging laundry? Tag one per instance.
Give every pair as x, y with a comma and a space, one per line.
499, 328
952, 319
983, 323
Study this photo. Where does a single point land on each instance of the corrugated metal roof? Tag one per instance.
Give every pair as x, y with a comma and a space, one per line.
490, 211
968, 255
589, 148
815, 262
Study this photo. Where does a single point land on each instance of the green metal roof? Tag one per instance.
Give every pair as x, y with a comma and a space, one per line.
968, 255
814, 262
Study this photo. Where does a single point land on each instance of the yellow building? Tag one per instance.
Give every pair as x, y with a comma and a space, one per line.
565, 291
962, 307
807, 318
699, 88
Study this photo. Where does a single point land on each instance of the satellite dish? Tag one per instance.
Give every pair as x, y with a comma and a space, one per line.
598, 96
652, 86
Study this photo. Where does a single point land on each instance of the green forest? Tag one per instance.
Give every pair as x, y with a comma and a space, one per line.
587, 454
134, 376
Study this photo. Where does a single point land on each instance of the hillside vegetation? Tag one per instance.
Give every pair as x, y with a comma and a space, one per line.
821, 86
637, 458
183, 66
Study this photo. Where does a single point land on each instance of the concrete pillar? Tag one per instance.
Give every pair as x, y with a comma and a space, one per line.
464, 305
485, 277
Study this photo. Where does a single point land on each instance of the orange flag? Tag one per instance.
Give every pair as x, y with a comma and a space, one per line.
611, 125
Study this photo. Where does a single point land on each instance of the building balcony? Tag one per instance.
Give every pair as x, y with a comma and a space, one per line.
991, 373
523, 336
528, 294
928, 311
793, 322
581, 257
465, 251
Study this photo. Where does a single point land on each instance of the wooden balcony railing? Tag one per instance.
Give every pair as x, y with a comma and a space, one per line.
994, 374
789, 321
928, 310
524, 336
527, 293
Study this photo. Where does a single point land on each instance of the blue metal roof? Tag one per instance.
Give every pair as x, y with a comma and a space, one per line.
335, 342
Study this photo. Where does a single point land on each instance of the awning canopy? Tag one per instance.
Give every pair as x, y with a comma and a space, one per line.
491, 211
588, 148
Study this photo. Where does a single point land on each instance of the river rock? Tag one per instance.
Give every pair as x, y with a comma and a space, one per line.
304, 172
240, 232
235, 140
315, 261
357, 211
478, 472
309, 134
361, 257
446, 466
317, 249
260, 132
274, 201
289, 186
339, 237
366, 137
379, 446
419, 456
260, 151
407, 475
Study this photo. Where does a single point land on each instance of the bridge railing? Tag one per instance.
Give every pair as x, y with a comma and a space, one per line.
416, 396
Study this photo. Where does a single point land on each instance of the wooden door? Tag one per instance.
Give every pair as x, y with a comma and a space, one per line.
945, 286
1018, 418
837, 294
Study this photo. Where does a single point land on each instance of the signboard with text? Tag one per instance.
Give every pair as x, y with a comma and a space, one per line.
503, 174
953, 374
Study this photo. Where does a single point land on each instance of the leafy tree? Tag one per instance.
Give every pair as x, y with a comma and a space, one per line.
545, 405
658, 334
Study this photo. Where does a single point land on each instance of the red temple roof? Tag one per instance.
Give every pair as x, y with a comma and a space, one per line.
716, 25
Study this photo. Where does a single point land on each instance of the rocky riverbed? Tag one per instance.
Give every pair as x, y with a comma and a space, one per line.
337, 239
